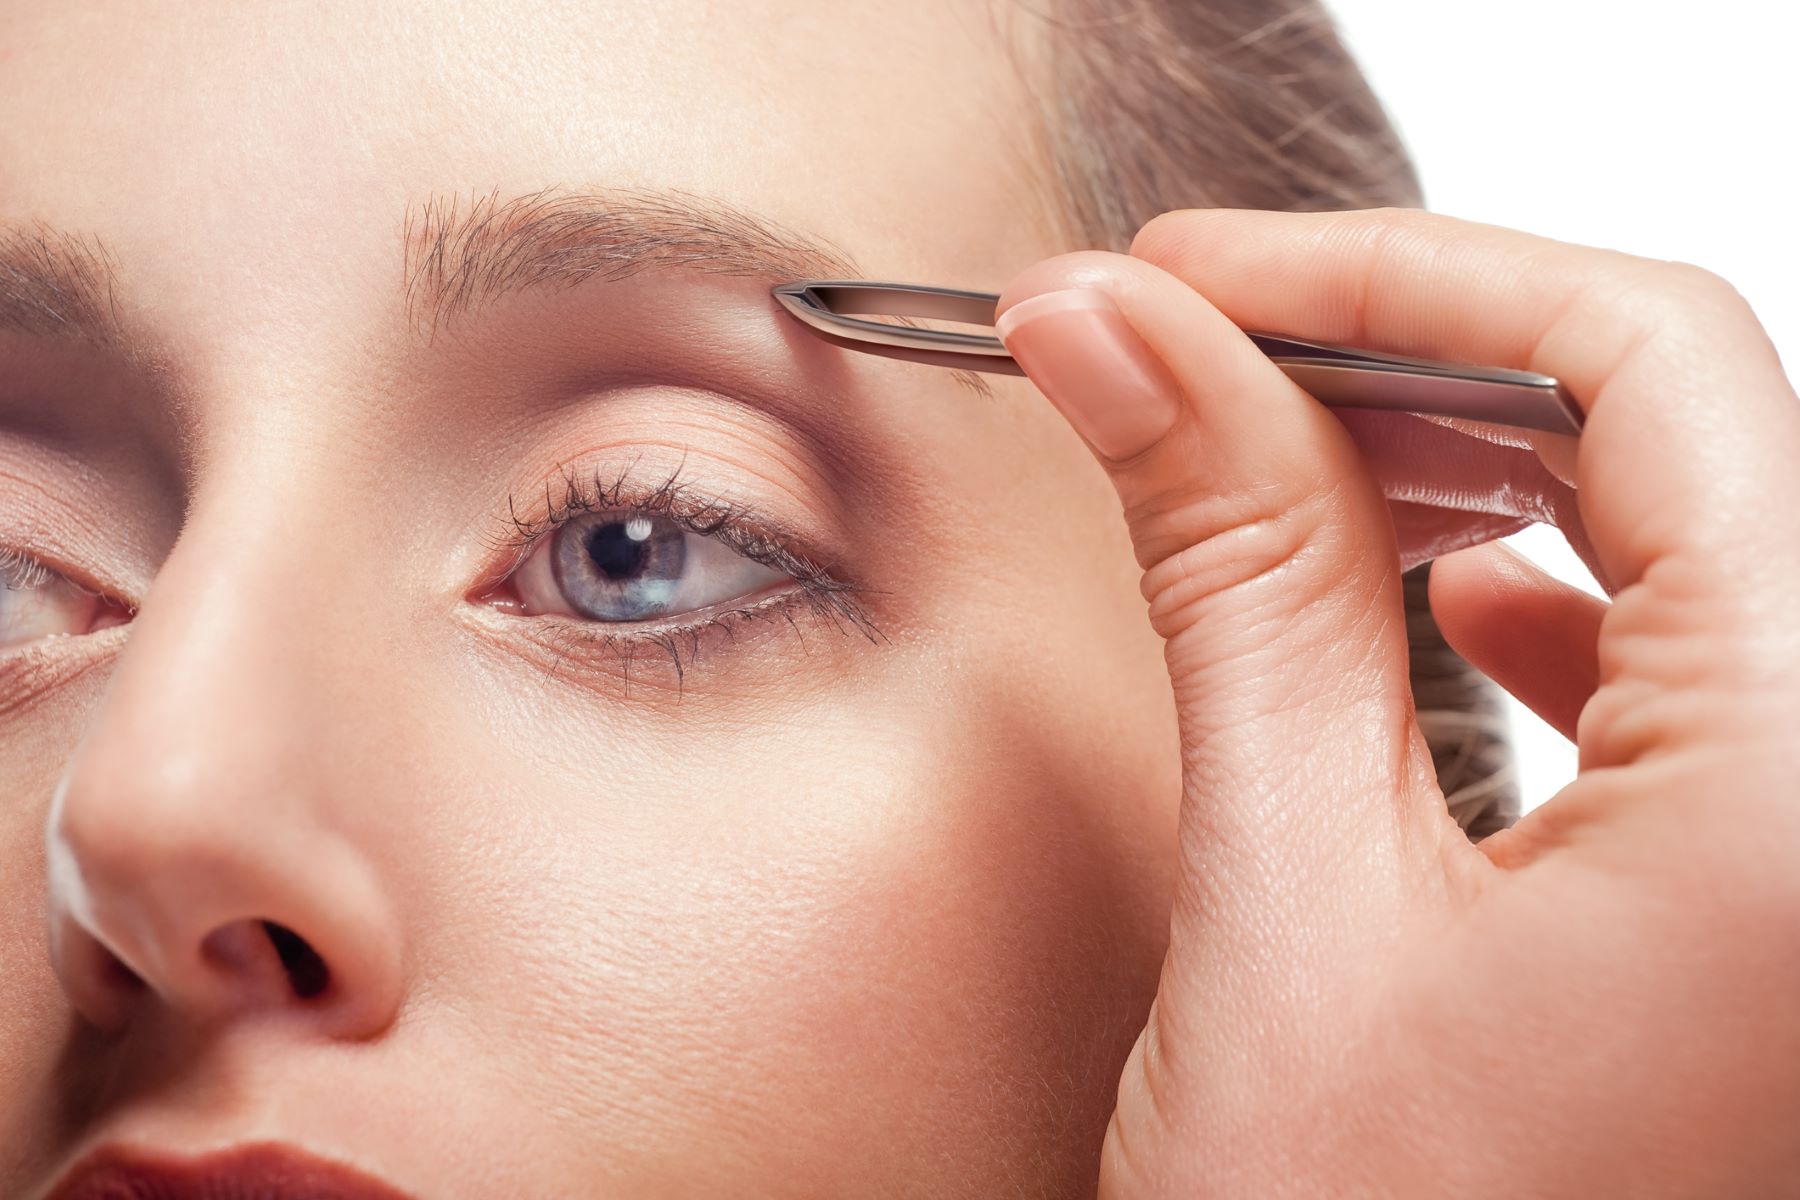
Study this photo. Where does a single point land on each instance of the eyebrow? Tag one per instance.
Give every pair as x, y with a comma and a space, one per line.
58, 284
459, 255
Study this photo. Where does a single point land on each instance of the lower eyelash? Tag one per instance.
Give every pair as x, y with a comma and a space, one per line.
820, 595
681, 643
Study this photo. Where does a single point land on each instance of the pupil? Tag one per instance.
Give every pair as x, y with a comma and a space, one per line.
620, 567
615, 552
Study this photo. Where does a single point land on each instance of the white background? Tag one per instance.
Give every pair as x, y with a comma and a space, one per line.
1662, 129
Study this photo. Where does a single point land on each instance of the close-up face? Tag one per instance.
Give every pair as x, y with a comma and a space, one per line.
487, 697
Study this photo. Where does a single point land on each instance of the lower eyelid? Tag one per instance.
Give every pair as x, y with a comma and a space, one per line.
663, 654
35, 669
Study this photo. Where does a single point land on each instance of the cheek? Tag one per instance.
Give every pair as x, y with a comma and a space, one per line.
46, 697
836, 951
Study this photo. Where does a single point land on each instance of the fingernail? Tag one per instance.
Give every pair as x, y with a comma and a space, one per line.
1084, 355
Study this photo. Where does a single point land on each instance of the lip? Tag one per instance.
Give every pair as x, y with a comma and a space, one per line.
264, 1171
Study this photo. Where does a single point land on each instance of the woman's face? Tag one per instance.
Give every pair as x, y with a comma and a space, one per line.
790, 820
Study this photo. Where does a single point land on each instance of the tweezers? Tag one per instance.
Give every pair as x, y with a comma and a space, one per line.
1336, 376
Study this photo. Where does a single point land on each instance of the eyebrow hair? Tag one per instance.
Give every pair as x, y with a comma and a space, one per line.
58, 284
457, 256
61, 284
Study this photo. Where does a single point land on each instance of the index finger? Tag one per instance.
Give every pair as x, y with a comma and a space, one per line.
1693, 432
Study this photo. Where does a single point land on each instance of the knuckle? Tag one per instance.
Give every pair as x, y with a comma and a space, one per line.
1240, 551
1163, 238
1660, 311
1154, 1108
1689, 284
1387, 242
1671, 297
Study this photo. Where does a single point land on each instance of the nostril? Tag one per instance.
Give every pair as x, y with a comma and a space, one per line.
306, 971
242, 948
95, 978
107, 968
116, 974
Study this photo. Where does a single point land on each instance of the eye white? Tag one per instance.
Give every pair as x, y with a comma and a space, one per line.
38, 603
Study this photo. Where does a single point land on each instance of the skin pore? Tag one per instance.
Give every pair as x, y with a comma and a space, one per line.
863, 893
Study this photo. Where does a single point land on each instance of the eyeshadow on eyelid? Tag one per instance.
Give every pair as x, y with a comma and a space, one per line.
730, 442
845, 450
659, 336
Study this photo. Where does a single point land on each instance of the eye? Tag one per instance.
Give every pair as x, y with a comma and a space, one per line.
622, 565
36, 602
627, 560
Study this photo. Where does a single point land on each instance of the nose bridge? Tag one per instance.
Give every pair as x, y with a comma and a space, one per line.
197, 837
221, 688
206, 636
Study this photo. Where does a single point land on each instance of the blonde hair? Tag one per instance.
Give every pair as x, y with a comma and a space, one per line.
1153, 105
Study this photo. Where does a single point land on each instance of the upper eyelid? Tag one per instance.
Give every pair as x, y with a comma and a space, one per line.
585, 492
586, 489
40, 566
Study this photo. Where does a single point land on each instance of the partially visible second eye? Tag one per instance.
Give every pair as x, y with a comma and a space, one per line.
36, 602
623, 565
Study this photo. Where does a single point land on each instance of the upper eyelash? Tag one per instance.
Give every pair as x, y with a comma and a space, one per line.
20, 572
737, 525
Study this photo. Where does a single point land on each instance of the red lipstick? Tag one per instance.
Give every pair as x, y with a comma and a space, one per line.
260, 1172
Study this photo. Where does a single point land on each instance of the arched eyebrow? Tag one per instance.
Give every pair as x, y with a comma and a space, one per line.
59, 285
459, 255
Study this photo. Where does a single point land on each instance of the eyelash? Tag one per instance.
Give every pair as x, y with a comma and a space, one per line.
21, 572
821, 594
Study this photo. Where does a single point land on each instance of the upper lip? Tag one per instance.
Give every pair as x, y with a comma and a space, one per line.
263, 1171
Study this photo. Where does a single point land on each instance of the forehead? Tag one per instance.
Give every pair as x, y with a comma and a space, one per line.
246, 163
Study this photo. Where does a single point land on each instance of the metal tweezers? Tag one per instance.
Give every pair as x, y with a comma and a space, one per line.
1336, 376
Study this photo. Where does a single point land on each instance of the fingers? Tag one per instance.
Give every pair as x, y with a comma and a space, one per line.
1270, 569
1467, 480
1527, 631
1692, 429
1425, 531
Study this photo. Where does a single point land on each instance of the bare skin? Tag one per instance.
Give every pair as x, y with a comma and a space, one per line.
797, 928
866, 891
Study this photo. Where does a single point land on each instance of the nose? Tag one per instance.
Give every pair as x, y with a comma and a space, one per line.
202, 848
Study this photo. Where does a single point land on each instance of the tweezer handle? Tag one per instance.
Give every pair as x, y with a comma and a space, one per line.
1346, 377
1337, 376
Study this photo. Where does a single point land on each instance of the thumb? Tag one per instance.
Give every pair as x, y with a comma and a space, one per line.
1271, 572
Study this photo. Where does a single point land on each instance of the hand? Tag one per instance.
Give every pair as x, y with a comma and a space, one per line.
1601, 1001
